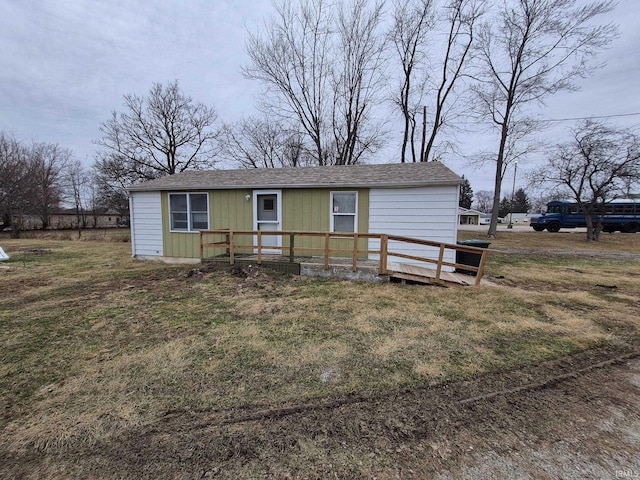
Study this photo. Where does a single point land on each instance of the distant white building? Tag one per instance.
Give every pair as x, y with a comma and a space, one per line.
518, 218
467, 216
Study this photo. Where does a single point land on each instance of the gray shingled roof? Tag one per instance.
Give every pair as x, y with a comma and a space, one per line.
386, 175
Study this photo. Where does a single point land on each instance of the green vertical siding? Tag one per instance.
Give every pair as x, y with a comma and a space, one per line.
310, 210
186, 245
302, 209
230, 209
227, 209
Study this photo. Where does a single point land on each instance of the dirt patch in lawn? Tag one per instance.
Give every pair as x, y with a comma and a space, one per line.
576, 417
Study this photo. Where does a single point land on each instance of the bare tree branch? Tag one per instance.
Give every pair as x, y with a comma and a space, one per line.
160, 134
534, 49
321, 64
259, 143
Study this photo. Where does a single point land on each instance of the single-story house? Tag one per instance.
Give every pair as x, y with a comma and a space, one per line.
468, 216
418, 200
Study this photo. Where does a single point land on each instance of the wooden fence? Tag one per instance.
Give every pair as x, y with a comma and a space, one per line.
228, 240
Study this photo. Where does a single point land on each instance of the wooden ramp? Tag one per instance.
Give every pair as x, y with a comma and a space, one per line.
356, 251
416, 273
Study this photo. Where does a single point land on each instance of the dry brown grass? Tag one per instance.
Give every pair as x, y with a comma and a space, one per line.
563, 241
94, 342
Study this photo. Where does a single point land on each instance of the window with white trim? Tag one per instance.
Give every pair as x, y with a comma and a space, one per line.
344, 211
188, 212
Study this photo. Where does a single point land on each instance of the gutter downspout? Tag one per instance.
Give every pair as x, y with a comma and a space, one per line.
131, 226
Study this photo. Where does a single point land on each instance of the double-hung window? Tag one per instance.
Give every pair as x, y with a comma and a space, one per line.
188, 212
344, 211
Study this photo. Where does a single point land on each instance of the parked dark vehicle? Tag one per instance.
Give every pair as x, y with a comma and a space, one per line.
621, 215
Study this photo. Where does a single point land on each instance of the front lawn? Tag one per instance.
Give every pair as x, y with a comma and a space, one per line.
94, 342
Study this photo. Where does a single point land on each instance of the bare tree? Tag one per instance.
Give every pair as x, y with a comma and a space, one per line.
111, 177
258, 143
47, 165
292, 59
483, 201
594, 167
15, 183
356, 81
412, 21
533, 49
461, 16
541, 198
320, 64
164, 133
77, 187
431, 70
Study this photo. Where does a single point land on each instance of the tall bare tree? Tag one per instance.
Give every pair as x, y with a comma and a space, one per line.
320, 63
292, 58
431, 71
164, 133
16, 183
357, 79
77, 189
47, 165
531, 50
412, 21
461, 16
595, 166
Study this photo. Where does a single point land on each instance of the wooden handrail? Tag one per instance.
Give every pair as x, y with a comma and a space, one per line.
384, 252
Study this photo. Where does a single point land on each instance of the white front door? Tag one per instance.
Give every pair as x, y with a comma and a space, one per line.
267, 216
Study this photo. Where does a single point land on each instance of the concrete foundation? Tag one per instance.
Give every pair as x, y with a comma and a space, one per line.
366, 273
170, 260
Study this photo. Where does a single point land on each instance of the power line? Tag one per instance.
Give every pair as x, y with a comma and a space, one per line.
589, 118
558, 120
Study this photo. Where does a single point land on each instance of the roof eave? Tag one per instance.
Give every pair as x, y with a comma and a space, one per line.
142, 188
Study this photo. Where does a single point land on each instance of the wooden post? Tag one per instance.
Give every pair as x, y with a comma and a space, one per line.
480, 271
291, 244
326, 251
201, 247
440, 259
384, 248
259, 247
230, 237
354, 267
226, 237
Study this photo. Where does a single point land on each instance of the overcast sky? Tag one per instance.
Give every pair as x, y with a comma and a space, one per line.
66, 64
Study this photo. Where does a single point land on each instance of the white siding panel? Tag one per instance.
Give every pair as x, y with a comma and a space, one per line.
427, 213
146, 224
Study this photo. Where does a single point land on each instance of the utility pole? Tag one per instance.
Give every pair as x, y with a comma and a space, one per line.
513, 194
424, 134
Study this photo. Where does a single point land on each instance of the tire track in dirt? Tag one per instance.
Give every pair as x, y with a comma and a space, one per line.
450, 429
229, 418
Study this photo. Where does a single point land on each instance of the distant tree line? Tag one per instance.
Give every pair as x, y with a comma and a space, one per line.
37, 179
519, 203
